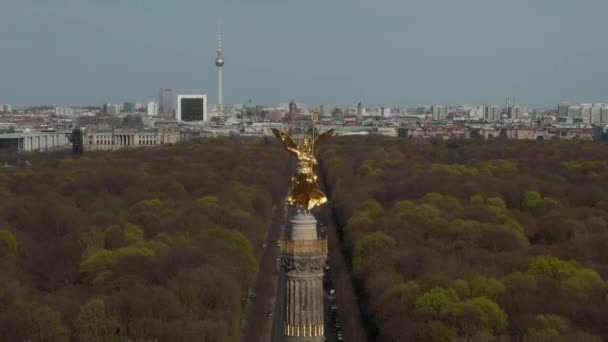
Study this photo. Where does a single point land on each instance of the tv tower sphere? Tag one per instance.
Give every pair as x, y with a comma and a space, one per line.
219, 61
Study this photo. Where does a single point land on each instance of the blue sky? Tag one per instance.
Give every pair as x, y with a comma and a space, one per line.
397, 52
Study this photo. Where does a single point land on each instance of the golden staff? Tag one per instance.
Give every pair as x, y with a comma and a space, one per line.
314, 118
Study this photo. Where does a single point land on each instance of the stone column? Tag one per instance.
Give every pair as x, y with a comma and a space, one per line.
303, 258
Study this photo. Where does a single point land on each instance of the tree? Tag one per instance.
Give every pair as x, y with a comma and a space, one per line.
369, 251
486, 287
95, 325
436, 331
477, 315
31, 322
432, 304
8, 244
551, 266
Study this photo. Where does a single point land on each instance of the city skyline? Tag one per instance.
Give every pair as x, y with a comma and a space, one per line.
388, 52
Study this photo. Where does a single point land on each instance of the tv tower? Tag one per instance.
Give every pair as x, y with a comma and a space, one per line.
219, 62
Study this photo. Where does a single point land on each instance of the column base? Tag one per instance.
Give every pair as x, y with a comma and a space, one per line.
304, 339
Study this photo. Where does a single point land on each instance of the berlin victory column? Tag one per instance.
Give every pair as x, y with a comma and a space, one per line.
303, 254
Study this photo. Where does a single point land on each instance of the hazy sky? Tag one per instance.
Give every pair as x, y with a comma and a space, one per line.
395, 52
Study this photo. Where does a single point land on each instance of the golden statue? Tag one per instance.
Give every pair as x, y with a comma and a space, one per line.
305, 193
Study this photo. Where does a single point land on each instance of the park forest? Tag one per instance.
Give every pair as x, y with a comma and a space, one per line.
448, 241
151, 244
474, 241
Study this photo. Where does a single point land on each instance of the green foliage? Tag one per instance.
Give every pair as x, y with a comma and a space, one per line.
402, 207
511, 243
531, 199
550, 321
133, 234
542, 335
436, 331
548, 328
95, 325
551, 266
371, 207
432, 304
476, 315
103, 260
584, 284
109, 224
455, 169
520, 280
535, 203
236, 243
368, 169
497, 167
486, 287
404, 293
8, 243
422, 214
35, 323
369, 249
462, 288
477, 199
497, 202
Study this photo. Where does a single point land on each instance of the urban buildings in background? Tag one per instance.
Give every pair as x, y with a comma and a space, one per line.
178, 118
166, 103
591, 113
191, 108
113, 126
152, 109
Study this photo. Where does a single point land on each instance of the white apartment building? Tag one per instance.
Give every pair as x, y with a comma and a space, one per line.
152, 109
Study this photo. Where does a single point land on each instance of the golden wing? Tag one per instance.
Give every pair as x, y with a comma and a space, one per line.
288, 143
324, 137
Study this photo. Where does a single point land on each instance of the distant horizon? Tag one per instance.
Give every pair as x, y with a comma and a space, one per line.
387, 52
555, 107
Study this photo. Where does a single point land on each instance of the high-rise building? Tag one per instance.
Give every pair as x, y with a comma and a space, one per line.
359, 113
7, 108
105, 108
562, 109
113, 110
492, 113
385, 112
166, 102
439, 112
517, 112
152, 109
574, 111
219, 62
477, 112
128, 107
604, 115
191, 108
596, 115
64, 111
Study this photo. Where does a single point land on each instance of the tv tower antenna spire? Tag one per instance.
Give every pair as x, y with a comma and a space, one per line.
219, 62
